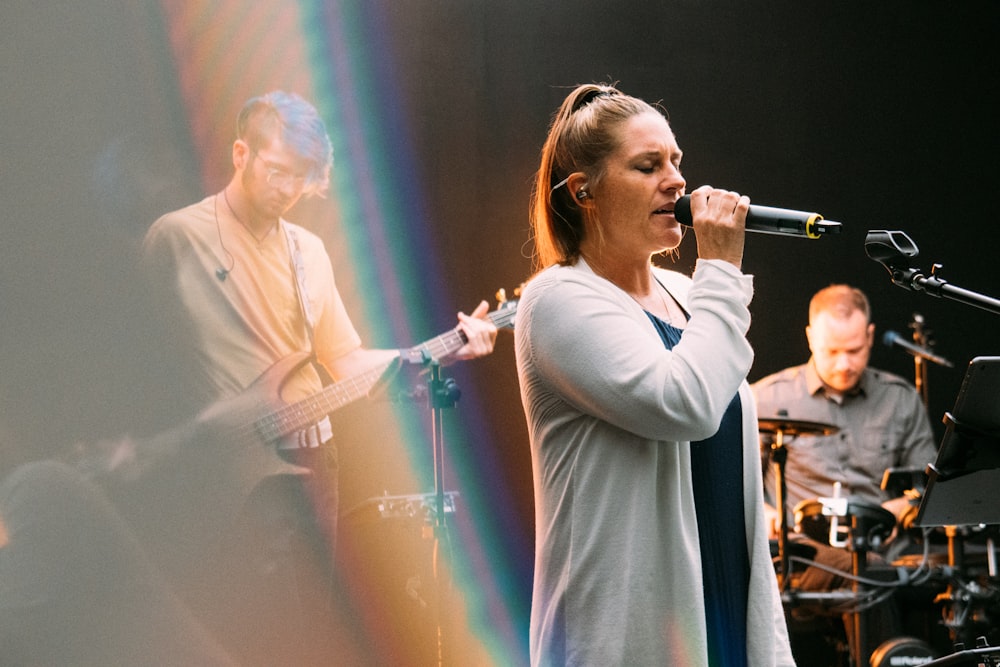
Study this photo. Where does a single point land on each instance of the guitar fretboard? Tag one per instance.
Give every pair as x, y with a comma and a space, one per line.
301, 414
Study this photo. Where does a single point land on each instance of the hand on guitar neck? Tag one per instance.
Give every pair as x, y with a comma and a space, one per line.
479, 331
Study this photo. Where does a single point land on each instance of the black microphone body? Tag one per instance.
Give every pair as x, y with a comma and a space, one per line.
891, 338
770, 220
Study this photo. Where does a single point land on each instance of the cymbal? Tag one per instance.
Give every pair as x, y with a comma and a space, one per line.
787, 426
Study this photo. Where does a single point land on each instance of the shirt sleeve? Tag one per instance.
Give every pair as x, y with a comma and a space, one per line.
603, 357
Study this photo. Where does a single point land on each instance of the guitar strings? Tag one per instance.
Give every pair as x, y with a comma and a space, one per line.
292, 417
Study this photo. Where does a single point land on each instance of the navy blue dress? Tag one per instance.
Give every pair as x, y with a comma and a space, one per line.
717, 477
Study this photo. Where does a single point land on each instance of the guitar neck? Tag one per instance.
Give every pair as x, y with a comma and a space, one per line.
302, 414
306, 412
451, 341
435, 348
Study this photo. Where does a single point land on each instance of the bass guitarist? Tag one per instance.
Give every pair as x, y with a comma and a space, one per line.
243, 290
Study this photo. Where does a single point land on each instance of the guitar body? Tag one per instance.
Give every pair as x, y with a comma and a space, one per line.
191, 499
270, 385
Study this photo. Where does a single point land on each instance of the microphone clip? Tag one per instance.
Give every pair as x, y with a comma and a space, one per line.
893, 250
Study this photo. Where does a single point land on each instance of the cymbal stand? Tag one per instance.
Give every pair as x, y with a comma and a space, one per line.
779, 455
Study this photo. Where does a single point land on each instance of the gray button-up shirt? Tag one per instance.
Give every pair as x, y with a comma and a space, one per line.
882, 423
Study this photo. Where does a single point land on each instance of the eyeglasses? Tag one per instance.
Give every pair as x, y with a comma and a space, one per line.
279, 178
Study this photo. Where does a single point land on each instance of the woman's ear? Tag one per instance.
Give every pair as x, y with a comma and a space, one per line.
579, 188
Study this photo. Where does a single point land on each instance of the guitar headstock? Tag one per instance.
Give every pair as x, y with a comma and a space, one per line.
503, 316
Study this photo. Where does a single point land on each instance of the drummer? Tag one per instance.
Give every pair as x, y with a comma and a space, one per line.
881, 420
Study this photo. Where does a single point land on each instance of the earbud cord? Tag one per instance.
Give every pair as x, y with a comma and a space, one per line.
221, 273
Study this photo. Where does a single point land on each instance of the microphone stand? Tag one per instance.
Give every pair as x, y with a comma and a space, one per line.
443, 393
893, 249
921, 338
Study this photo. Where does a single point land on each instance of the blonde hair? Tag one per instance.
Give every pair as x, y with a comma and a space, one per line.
584, 131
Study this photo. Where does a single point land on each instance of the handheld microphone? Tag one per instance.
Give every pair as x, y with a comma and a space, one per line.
770, 220
891, 338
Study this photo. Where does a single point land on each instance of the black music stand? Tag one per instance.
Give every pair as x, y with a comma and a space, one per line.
962, 481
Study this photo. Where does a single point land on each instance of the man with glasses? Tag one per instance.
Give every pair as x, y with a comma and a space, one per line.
244, 290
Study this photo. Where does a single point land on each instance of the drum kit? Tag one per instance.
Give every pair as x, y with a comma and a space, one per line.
967, 594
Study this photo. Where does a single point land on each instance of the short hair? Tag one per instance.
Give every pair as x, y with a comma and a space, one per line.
840, 301
583, 133
299, 126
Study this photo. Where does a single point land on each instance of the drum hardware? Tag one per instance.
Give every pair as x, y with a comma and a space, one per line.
834, 507
961, 494
781, 427
966, 599
859, 564
860, 527
869, 526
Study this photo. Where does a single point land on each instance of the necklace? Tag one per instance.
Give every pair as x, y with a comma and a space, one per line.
659, 289
663, 301
260, 240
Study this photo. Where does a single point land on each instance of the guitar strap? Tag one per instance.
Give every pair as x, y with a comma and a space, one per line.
322, 432
299, 269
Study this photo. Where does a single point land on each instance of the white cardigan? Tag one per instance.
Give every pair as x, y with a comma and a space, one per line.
610, 415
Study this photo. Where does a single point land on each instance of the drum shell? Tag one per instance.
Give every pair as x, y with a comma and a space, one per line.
902, 651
